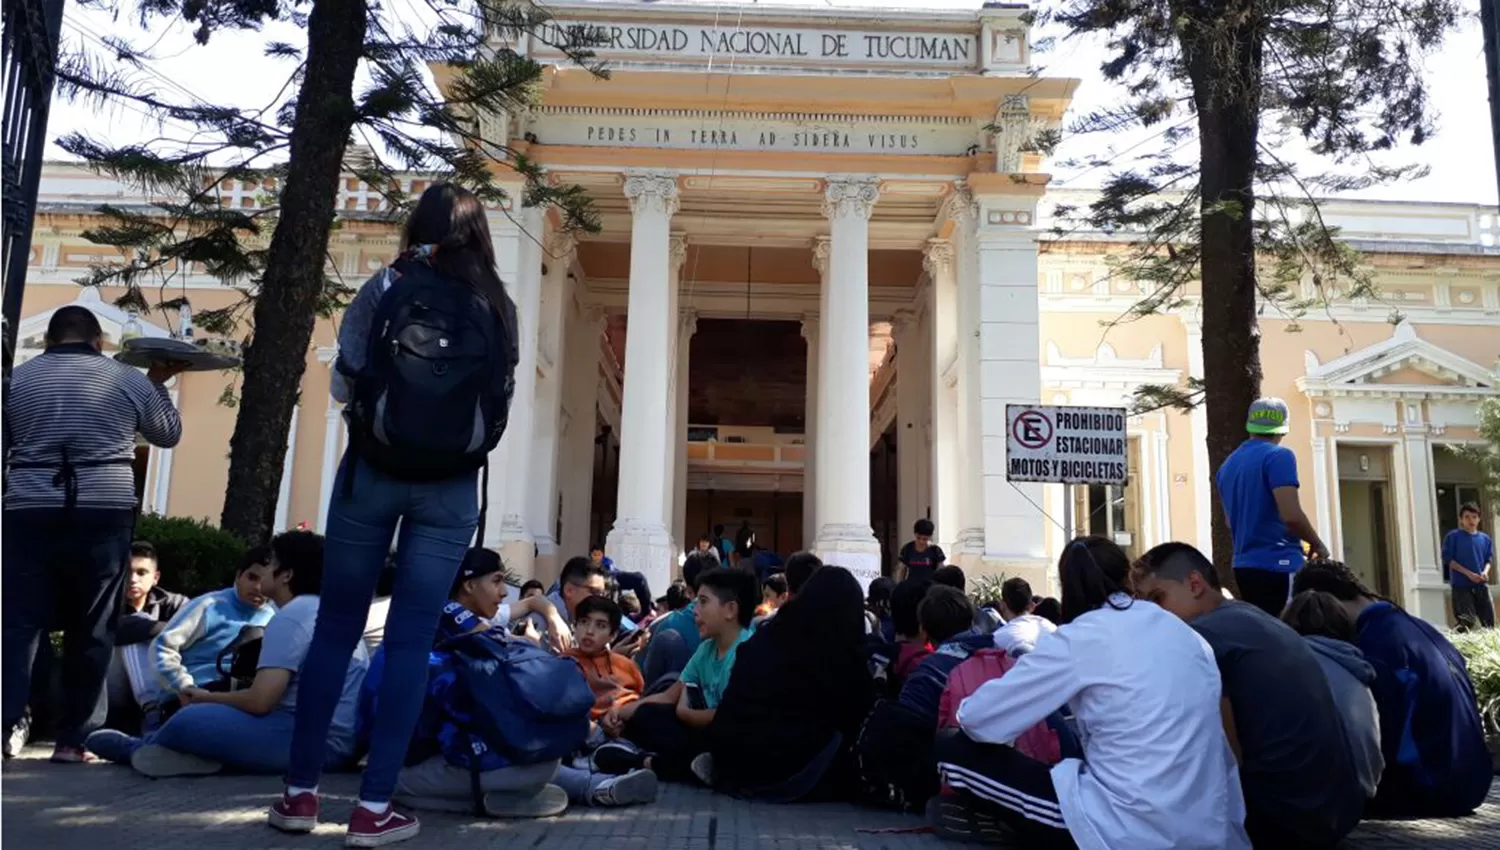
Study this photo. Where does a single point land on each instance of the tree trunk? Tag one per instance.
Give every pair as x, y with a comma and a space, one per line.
294, 276
1222, 51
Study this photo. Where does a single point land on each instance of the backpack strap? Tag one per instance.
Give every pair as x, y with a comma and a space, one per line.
484, 501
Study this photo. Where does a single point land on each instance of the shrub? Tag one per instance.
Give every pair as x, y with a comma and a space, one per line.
985, 589
1481, 651
195, 557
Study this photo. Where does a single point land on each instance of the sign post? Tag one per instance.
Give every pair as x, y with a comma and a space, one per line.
1065, 445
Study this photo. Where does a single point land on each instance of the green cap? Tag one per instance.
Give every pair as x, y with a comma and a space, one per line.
1267, 416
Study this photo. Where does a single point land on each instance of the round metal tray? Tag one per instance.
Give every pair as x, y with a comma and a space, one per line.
143, 352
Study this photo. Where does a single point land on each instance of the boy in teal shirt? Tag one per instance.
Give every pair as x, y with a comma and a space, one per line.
670, 727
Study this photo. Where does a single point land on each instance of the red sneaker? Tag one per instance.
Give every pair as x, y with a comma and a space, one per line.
294, 813
368, 829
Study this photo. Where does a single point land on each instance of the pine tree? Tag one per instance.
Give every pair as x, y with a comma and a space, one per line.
1248, 80
276, 256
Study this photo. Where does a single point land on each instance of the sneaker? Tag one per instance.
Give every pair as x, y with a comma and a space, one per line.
368, 829
160, 762
703, 768
294, 813
637, 786
618, 758
112, 745
19, 735
72, 755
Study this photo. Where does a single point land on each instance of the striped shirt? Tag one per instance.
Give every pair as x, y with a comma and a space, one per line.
71, 399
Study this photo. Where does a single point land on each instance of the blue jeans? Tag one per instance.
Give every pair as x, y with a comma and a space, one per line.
239, 740
437, 521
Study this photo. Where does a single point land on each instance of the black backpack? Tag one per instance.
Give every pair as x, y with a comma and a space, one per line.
433, 398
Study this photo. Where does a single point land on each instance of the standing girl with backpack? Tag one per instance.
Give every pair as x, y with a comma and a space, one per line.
426, 365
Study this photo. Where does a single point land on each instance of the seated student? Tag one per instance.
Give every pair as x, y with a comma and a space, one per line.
799, 568
774, 594
1436, 763
580, 579
1022, 628
626, 580
895, 746
145, 610
380, 607
786, 726
186, 652
476, 603
674, 636
1157, 772
533, 588
671, 727
630, 607
952, 575
250, 730
910, 646
878, 608
706, 546
947, 619
1296, 770
615, 682
1048, 609
1329, 631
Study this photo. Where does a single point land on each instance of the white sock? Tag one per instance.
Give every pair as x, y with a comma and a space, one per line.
377, 808
293, 790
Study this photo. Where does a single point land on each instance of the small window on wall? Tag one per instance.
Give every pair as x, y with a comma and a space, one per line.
1113, 511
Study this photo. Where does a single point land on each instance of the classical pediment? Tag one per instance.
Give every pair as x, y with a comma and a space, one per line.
1403, 364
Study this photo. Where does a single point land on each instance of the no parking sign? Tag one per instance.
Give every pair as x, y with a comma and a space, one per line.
1065, 445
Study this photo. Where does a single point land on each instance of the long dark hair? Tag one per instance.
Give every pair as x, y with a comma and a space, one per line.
452, 219
1091, 569
827, 614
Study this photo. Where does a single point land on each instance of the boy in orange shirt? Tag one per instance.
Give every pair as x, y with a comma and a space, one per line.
615, 681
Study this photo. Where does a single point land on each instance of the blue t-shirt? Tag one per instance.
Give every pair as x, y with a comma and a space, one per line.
710, 672
1471, 551
1246, 481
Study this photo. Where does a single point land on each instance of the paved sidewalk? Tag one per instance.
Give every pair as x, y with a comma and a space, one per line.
108, 807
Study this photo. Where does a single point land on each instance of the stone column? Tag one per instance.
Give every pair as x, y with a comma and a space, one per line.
687, 325
1198, 430
938, 261
579, 426
810, 432
1426, 591
911, 413
676, 436
1009, 373
506, 237
821, 252
845, 538
517, 545
969, 544
542, 507
639, 540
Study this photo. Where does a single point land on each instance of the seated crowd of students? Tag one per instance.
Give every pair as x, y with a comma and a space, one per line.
1146, 709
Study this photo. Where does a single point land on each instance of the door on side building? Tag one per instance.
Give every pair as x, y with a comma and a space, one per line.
1366, 527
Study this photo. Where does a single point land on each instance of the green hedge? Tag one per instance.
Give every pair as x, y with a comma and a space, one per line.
195, 557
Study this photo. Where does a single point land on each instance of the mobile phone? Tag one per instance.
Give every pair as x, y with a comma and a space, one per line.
696, 700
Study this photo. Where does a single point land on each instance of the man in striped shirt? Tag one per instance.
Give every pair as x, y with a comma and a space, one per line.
70, 419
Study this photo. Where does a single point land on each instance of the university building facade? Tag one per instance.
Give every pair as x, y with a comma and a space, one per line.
823, 271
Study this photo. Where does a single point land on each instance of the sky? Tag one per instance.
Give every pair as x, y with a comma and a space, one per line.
232, 69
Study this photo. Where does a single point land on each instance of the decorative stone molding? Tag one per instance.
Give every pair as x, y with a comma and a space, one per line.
687, 323
850, 197
810, 326
595, 315
652, 191
1018, 132
821, 249
902, 321
677, 251
961, 206
937, 259
560, 245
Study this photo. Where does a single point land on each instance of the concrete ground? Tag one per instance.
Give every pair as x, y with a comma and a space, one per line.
108, 807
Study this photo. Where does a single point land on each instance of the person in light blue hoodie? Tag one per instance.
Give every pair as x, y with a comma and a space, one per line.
186, 653
1329, 631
